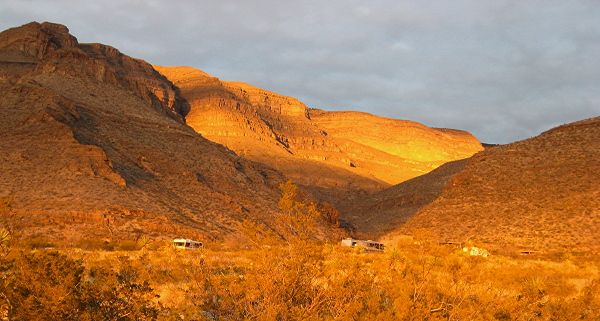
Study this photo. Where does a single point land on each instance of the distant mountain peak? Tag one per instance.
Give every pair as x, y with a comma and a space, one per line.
34, 40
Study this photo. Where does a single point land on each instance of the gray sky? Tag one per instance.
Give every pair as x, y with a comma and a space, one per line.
503, 70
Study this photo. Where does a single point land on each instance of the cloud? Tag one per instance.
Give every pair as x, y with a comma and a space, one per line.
503, 70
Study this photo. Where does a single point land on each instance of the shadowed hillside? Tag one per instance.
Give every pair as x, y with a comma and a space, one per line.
542, 193
387, 210
94, 143
336, 155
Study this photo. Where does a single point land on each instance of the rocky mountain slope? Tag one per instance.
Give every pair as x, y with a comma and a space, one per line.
542, 193
387, 210
336, 155
94, 143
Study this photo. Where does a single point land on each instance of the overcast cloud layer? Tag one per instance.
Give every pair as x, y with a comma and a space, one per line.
502, 70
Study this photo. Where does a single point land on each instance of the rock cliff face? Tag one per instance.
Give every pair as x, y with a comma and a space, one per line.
542, 193
94, 143
394, 150
336, 155
48, 48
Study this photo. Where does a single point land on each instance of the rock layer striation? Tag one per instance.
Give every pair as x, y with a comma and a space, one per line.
336, 155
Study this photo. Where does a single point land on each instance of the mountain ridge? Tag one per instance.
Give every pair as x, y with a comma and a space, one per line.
95, 145
331, 162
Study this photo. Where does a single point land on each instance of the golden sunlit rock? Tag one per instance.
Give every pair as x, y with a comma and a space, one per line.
336, 155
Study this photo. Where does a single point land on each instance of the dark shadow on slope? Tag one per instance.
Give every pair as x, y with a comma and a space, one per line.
385, 211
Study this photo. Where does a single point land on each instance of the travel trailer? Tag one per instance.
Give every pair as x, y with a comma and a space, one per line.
187, 244
370, 246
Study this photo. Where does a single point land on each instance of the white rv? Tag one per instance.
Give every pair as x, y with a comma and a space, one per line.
187, 244
370, 246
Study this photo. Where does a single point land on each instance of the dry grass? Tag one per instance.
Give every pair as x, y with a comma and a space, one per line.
414, 280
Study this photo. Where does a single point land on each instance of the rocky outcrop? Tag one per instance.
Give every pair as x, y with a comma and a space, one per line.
336, 155
268, 128
32, 42
48, 48
94, 143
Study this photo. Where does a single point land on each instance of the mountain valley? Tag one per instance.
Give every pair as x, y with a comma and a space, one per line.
102, 145
539, 194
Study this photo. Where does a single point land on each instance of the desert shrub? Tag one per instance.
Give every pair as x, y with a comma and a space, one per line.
41, 286
110, 294
95, 244
297, 221
329, 213
153, 245
37, 243
5, 242
290, 275
9, 225
275, 286
47, 285
129, 245
306, 280
9, 220
302, 280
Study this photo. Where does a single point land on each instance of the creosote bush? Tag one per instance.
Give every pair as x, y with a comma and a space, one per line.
300, 280
292, 277
48, 285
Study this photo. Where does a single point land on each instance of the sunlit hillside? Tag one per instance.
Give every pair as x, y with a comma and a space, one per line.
540, 194
337, 156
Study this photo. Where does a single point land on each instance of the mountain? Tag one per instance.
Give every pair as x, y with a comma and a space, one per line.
94, 144
541, 193
385, 211
336, 155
